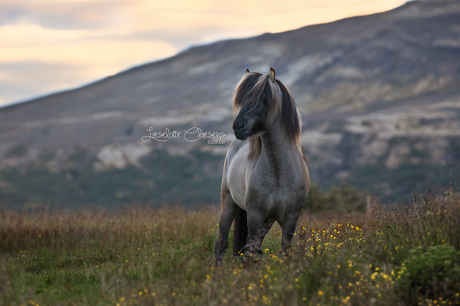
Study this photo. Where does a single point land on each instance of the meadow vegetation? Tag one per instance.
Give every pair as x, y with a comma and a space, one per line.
343, 198
140, 255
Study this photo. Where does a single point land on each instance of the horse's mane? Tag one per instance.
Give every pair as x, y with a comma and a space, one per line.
252, 87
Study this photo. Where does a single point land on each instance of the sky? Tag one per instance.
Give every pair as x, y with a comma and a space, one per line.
52, 45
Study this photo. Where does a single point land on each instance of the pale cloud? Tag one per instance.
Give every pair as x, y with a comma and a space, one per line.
61, 14
74, 49
185, 37
257, 16
94, 52
74, 42
39, 77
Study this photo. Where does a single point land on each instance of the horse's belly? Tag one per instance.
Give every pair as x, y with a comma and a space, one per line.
237, 178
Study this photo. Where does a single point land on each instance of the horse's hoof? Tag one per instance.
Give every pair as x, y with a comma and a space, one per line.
251, 257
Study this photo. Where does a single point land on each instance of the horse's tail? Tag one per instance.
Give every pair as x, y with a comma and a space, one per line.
240, 231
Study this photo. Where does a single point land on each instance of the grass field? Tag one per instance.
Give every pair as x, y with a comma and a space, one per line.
145, 256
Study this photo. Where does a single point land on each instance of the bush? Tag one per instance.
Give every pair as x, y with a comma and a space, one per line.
432, 274
344, 198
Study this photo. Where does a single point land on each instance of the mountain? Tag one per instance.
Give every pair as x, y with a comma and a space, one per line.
379, 94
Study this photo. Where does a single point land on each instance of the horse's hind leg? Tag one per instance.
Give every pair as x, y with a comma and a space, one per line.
228, 212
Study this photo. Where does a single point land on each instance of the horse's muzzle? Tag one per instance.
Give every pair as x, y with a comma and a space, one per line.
240, 130
241, 135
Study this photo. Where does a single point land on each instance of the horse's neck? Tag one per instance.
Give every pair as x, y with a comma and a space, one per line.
278, 152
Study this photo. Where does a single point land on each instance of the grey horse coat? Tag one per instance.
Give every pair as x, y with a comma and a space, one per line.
265, 177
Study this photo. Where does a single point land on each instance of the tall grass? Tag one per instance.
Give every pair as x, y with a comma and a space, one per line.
144, 256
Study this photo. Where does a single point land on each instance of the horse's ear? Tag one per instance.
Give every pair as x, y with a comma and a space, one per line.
272, 75
247, 71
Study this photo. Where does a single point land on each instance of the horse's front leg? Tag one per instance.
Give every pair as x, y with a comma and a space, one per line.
258, 227
228, 212
288, 230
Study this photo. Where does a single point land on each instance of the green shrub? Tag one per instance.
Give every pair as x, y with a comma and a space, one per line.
430, 274
344, 198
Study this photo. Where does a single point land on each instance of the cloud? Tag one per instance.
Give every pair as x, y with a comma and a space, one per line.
116, 53
181, 38
57, 67
37, 78
61, 15
97, 38
10, 12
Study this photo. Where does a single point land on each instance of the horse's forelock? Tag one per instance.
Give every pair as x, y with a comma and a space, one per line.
243, 89
252, 86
